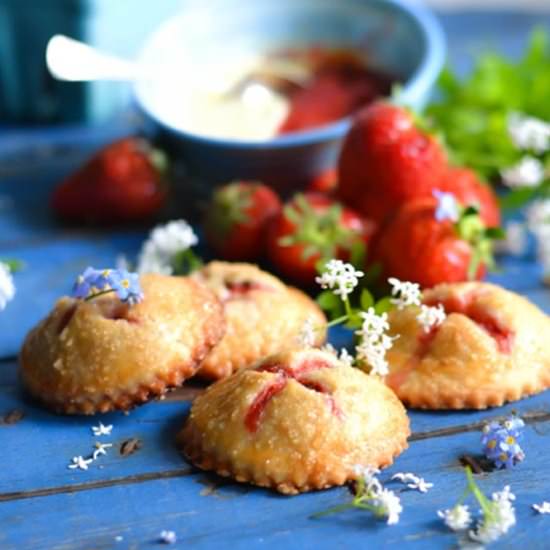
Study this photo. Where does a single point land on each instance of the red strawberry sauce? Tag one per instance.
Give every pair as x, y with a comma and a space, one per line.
467, 305
284, 374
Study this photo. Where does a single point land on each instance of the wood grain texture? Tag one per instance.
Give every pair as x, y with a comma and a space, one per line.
44, 505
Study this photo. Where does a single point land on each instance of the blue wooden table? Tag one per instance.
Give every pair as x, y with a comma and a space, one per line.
125, 501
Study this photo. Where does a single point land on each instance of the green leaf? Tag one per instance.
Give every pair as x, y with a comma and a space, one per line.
13, 265
185, 262
358, 253
328, 301
366, 300
383, 305
517, 198
496, 233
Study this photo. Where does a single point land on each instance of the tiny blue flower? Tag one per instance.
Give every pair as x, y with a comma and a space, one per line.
447, 207
500, 442
87, 283
94, 282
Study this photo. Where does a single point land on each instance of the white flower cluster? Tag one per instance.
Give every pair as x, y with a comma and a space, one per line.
7, 288
340, 277
431, 316
167, 537
374, 342
538, 222
404, 293
494, 523
164, 242
383, 502
528, 172
307, 337
532, 135
343, 356
499, 521
414, 482
457, 518
81, 463
543, 508
529, 133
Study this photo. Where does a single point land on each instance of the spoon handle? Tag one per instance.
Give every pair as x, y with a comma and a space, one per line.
69, 59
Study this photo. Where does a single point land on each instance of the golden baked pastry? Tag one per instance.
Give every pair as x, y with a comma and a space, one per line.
99, 355
491, 348
263, 316
301, 420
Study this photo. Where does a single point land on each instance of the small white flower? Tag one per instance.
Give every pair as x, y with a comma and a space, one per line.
79, 462
387, 504
529, 133
7, 288
528, 172
307, 336
457, 518
100, 449
373, 324
374, 342
164, 242
405, 293
543, 508
538, 215
345, 357
368, 473
102, 430
447, 207
168, 537
515, 241
340, 277
501, 518
413, 482
431, 316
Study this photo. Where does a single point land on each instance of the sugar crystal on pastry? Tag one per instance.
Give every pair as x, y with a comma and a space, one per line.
263, 315
102, 354
301, 420
490, 347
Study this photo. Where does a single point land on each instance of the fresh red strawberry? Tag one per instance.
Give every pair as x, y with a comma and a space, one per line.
237, 217
469, 190
415, 246
386, 161
123, 182
311, 230
325, 182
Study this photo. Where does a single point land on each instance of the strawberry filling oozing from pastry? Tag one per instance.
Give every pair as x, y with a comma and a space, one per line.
468, 307
240, 289
284, 374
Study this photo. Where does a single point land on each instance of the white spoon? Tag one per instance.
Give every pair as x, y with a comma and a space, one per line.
72, 60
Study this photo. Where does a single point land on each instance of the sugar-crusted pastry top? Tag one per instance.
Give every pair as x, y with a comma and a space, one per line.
491, 348
264, 316
102, 354
301, 420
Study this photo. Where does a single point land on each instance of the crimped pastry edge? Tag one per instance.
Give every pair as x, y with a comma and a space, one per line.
190, 445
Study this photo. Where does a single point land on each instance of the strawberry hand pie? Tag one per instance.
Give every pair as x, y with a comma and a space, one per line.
472, 345
263, 315
299, 421
120, 341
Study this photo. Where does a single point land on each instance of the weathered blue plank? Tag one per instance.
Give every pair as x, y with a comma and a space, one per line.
234, 516
56, 439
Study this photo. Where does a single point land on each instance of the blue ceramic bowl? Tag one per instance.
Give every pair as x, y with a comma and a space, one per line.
404, 39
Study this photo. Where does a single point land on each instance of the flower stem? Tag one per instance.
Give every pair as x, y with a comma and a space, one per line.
333, 510
338, 320
97, 294
480, 497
